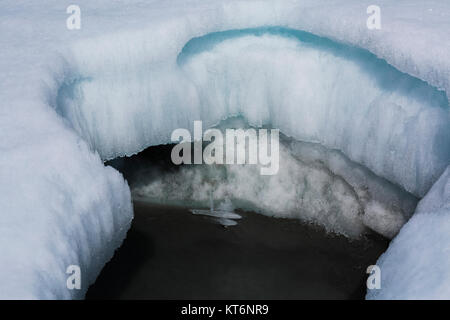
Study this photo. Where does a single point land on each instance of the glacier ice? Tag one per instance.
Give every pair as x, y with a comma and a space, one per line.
311, 88
60, 210
416, 264
61, 205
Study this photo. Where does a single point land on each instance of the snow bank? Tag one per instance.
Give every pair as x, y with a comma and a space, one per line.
416, 264
61, 205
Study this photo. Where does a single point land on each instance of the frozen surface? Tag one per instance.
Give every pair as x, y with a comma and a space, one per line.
61, 205
417, 262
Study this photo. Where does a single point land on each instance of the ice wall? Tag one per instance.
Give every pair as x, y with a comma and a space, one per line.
63, 208
416, 264
312, 88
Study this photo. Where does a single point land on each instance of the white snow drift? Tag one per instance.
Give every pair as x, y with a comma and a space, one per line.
123, 83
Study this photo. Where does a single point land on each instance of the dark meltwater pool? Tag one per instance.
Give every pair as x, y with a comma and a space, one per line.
169, 253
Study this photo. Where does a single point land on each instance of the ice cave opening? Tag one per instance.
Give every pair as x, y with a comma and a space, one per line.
294, 248
361, 141
321, 213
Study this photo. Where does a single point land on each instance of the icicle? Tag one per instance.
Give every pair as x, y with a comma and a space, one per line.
211, 202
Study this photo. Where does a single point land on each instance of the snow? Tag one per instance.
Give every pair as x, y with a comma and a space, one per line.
416, 264
119, 82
